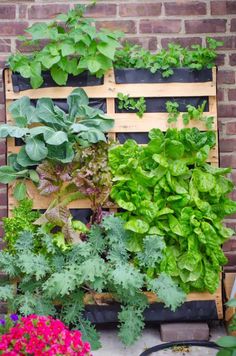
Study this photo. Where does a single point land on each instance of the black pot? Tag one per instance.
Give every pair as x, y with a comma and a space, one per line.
82, 80
181, 75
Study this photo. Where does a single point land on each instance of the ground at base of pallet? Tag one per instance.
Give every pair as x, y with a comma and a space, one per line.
111, 346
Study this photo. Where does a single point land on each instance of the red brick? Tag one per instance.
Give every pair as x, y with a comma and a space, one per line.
231, 258
46, 11
226, 77
223, 7
2, 160
220, 94
225, 110
2, 146
7, 12
126, 26
5, 45
220, 60
233, 25
133, 10
227, 160
22, 11
20, 46
228, 144
3, 199
232, 59
11, 28
2, 114
231, 128
160, 26
229, 42
205, 26
183, 41
146, 42
2, 99
185, 8
184, 331
230, 245
101, 10
232, 94
3, 212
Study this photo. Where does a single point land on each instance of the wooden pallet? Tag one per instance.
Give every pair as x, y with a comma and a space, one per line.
124, 122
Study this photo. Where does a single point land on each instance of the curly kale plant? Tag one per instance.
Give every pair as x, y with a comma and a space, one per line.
53, 276
196, 57
73, 46
166, 188
50, 133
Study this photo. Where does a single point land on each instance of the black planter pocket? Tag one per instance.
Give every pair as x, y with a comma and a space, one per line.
82, 80
159, 104
156, 313
139, 137
181, 75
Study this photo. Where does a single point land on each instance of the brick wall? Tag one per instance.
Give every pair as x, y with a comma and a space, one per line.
153, 23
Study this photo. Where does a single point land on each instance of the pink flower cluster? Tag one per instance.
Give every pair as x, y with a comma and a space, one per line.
42, 335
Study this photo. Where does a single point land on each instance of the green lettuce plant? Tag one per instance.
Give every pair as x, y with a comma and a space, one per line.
73, 46
167, 189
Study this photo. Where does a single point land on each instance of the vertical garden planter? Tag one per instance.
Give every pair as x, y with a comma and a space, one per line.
185, 85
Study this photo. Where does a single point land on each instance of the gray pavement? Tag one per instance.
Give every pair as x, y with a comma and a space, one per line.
150, 337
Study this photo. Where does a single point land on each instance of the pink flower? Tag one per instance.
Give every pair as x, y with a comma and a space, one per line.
41, 335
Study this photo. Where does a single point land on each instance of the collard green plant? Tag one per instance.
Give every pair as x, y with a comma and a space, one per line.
167, 189
196, 57
100, 263
73, 46
136, 105
193, 113
50, 133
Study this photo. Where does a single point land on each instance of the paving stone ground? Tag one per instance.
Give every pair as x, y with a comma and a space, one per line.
150, 337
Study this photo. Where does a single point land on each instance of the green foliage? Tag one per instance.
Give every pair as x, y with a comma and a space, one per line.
174, 205
73, 46
193, 113
196, 57
227, 346
22, 220
102, 262
127, 103
55, 139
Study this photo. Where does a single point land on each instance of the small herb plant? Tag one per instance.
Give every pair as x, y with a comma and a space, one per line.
193, 113
127, 103
73, 46
228, 343
50, 133
166, 188
195, 57
101, 262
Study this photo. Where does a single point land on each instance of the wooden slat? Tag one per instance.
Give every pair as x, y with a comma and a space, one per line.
110, 90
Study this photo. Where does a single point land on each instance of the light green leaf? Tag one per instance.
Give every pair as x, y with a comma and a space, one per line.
8, 174
227, 341
19, 191
93, 65
57, 138
36, 149
137, 225
23, 159
59, 75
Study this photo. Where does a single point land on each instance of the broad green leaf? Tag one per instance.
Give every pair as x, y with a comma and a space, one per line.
93, 65
175, 226
45, 111
19, 191
77, 98
36, 79
107, 49
8, 174
36, 149
92, 136
227, 341
174, 149
58, 75
23, 159
203, 181
57, 138
63, 153
67, 49
12, 131
49, 61
34, 176
19, 108
137, 225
